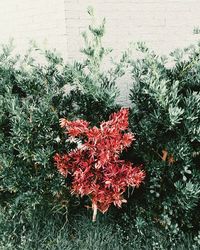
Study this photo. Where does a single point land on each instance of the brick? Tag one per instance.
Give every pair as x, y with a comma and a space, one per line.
164, 25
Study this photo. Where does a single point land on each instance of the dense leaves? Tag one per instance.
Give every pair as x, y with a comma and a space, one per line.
95, 166
33, 97
166, 118
28, 128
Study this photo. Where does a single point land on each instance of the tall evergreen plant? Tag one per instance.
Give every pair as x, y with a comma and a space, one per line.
166, 119
33, 97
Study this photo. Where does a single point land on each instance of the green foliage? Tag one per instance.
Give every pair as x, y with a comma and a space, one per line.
165, 117
52, 232
33, 97
166, 120
29, 130
93, 91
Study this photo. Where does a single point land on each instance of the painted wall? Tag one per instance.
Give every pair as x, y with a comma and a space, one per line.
163, 24
39, 20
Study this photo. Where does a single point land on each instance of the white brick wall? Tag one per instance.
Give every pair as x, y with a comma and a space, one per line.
164, 24
39, 20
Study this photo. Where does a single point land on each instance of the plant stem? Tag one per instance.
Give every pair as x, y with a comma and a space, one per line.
94, 212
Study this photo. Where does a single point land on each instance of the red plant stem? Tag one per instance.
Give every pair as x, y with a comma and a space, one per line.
94, 213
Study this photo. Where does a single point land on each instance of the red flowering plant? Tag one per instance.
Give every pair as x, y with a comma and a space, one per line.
95, 166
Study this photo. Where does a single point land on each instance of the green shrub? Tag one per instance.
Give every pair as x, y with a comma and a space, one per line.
33, 97
31, 102
166, 119
50, 232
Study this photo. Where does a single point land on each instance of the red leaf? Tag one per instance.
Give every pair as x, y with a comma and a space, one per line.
96, 168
